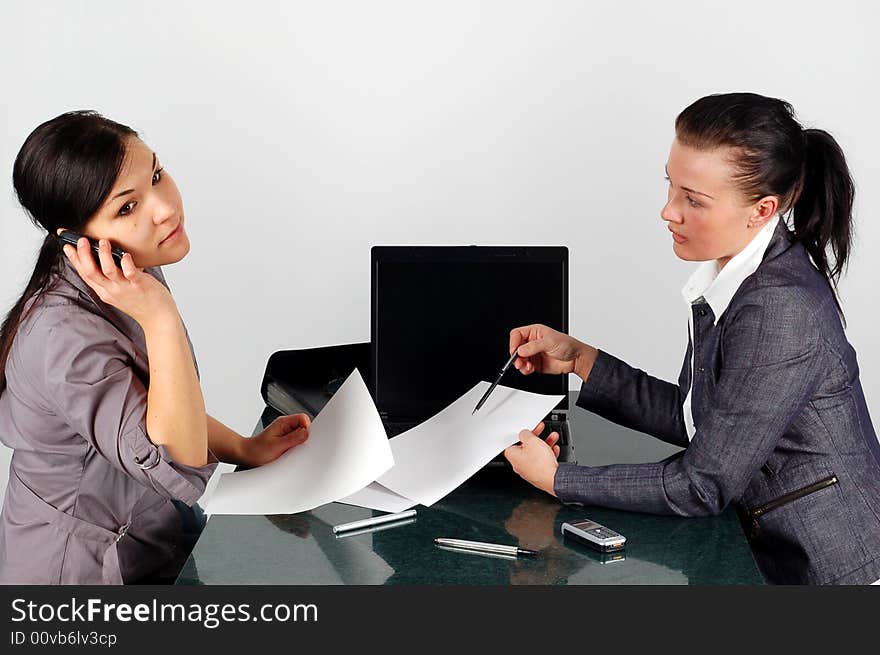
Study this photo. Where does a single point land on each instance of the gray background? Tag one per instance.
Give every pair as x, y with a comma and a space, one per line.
302, 133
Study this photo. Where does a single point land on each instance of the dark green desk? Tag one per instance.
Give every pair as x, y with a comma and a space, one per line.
494, 506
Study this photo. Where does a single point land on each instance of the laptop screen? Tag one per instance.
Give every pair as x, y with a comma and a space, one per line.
442, 315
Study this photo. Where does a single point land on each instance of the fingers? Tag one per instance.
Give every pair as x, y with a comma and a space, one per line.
108, 266
96, 273
533, 348
519, 336
70, 253
552, 441
521, 339
526, 435
304, 420
513, 454
275, 448
129, 270
293, 422
83, 260
84, 263
292, 430
297, 437
86, 260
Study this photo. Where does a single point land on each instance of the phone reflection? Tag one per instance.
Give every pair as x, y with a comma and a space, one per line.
594, 555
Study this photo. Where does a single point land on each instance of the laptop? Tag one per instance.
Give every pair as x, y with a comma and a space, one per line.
440, 322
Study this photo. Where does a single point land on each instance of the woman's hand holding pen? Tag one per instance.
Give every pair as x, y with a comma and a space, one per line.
544, 350
534, 459
129, 289
541, 349
284, 433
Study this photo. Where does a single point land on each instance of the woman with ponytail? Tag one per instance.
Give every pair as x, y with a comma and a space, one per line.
768, 408
99, 387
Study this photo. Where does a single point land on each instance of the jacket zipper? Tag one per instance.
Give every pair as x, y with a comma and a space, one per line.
758, 512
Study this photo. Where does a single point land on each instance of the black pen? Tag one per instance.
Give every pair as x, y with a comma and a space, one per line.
494, 384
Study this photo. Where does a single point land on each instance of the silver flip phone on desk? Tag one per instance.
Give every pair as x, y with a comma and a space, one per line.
594, 535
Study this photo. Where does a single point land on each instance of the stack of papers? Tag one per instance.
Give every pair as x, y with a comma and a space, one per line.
348, 457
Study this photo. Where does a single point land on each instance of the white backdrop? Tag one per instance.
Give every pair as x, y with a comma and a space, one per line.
302, 133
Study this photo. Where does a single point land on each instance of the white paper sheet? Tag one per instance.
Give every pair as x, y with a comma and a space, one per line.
435, 457
346, 450
375, 496
222, 469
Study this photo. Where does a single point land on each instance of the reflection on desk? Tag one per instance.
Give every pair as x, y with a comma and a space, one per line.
495, 506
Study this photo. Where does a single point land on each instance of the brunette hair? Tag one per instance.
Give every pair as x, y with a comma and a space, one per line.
774, 155
62, 175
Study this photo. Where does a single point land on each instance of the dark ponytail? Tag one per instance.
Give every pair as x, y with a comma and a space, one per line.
62, 175
823, 212
774, 156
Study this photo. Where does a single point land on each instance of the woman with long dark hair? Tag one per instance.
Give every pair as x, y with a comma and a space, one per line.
99, 387
768, 407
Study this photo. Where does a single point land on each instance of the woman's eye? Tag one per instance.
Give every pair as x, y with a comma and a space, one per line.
127, 208
692, 202
157, 176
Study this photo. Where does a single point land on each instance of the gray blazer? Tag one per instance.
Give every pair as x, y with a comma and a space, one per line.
89, 497
782, 429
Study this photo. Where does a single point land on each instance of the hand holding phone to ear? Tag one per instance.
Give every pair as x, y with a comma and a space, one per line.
66, 236
175, 413
126, 286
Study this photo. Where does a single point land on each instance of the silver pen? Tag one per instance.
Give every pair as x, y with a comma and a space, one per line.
375, 520
374, 528
484, 547
478, 553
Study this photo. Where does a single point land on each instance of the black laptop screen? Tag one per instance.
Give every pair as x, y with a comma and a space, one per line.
441, 320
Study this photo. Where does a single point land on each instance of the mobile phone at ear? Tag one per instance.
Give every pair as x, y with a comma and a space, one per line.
72, 237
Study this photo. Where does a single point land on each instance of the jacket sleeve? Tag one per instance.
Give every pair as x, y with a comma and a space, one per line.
770, 367
91, 383
634, 399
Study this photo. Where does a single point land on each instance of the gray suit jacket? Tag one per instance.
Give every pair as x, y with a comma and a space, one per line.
90, 498
782, 429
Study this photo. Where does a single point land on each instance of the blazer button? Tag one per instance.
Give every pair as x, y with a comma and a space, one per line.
702, 312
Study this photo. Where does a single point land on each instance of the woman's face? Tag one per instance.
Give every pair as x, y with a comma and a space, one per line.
143, 213
707, 214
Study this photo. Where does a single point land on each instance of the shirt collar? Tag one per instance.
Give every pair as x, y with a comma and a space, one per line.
717, 288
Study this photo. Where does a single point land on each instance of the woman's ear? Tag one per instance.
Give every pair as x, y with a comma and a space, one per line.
763, 211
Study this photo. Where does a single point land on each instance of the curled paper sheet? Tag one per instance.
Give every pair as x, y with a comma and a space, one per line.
347, 449
435, 457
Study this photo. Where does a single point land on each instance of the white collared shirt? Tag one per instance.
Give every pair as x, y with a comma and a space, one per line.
717, 289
